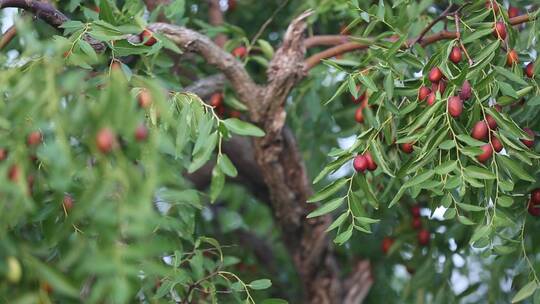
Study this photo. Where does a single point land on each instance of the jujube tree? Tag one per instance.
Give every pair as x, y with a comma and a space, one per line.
244, 151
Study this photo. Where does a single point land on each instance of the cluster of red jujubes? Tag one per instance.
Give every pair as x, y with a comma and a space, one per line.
423, 235
33, 141
534, 202
438, 84
481, 129
363, 162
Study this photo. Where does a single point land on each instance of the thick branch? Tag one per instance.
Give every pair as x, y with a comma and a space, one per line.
42, 10
334, 51
325, 40
233, 69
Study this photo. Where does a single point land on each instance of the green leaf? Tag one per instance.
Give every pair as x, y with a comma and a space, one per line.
418, 179
480, 232
377, 154
338, 222
525, 292
344, 236
396, 198
424, 117
510, 76
334, 165
464, 220
476, 35
260, 284
470, 141
372, 199
88, 49
368, 82
447, 144
505, 201
487, 51
326, 208
507, 89
106, 11
479, 173
216, 184
450, 213
239, 127
204, 155
234, 103
389, 85
266, 48
328, 190
446, 167
514, 167
469, 207
226, 165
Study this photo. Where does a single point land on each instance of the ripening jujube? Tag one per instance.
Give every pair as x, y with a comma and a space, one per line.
513, 11
455, 55
387, 243
533, 206
423, 93
423, 237
360, 163
34, 138
496, 143
528, 142
407, 148
148, 36
466, 90
435, 75
529, 70
144, 99
105, 140
499, 30
415, 210
492, 123
432, 97
455, 106
487, 152
480, 130
512, 58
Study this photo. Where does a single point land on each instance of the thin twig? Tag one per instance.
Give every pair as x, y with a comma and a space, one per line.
8, 36
442, 16
267, 22
461, 45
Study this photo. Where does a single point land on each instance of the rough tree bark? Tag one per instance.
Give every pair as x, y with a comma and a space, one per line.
280, 162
